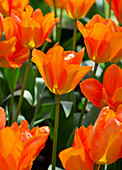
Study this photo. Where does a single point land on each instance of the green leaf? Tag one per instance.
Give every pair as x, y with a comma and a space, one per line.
91, 116
67, 106
65, 127
8, 76
68, 44
30, 79
38, 89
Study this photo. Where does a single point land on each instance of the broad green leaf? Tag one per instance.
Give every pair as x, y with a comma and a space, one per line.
91, 116
38, 89
8, 76
67, 106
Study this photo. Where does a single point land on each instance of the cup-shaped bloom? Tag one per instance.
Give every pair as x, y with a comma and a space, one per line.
77, 9
100, 144
20, 54
33, 28
116, 6
100, 38
60, 69
110, 93
77, 157
59, 3
7, 5
19, 145
106, 137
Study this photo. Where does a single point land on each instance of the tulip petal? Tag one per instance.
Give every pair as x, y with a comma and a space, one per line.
111, 80
93, 90
2, 118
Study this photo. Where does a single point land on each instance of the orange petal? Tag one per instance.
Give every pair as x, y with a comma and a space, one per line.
105, 143
111, 80
74, 158
2, 118
92, 89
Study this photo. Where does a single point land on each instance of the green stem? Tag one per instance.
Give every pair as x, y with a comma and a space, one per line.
60, 27
96, 167
82, 112
55, 11
109, 14
74, 35
55, 135
23, 87
95, 69
12, 98
86, 100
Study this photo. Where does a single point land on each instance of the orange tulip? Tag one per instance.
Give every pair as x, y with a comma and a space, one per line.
100, 144
106, 137
19, 146
20, 54
33, 28
116, 6
77, 157
110, 93
60, 69
100, 38
59, 3
78, 9
7, 5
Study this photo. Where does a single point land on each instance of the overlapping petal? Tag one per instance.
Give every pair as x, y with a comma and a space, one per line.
33, 28
100, 38
78, 9
77, 157
116, 6
100, 144
60, 70
21, 53
106, 139
7, 5
59, 3
19, 145
110, 93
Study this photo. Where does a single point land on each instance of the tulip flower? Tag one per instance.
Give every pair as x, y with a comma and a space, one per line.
100, 144
110, 93
60, 69
78, 9
106, 137
77, 157
19, 146
116, 6
100, 38
33, 28
20, 54
59, 3
7, 5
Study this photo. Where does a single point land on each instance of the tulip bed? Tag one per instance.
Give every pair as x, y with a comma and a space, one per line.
61, 84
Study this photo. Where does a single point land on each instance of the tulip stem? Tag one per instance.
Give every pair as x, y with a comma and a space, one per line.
96, 167
23, 87
95, 69
55, 135
109, 14
12, 98
60, 27
74, 35
86, 100
55, 11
